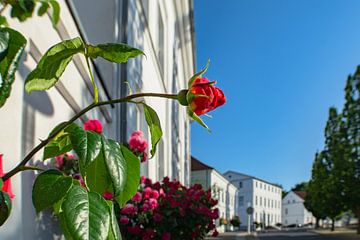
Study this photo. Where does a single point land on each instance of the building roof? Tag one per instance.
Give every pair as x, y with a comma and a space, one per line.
197, 165
300, 194
252, 177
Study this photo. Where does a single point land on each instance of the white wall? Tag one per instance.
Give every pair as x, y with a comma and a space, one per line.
28, 118
150, 75
294, 211
254, 192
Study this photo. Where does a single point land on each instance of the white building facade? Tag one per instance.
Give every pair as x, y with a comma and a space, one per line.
264, 197
294, 211
162, 29
222, 190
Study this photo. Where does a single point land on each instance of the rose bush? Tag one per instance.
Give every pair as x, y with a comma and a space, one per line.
169, 210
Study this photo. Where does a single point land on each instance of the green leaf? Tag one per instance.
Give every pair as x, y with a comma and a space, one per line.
55, 13
114, 230
1, 183
23, 9
198, 74
5, 207
153, 122
52, 65
108, 172
57, 147
42, 10
115, 164
64, 227
86, 144
113, 52
96, 175
197, 119
132, 176
4, 43
85, 215
3, 21
9, 63
60, 144
49, 188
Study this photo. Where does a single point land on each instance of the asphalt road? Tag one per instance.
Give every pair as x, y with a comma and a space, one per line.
289, 235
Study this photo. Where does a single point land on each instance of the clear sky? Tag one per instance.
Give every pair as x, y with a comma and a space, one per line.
281, 64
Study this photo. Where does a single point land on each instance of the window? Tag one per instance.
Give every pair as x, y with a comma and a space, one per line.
260, 201
241, 201
255, 184
293, 200
264, 202
268, 202
260, 185
256, 200
286, 211
229, 176
256, 216
288, 201
272, 203
240, 184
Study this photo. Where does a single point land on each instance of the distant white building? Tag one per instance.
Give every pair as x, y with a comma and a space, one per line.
263, 196
294, 211
222, 190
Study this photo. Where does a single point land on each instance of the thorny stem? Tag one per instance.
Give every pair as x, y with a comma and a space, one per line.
20, 166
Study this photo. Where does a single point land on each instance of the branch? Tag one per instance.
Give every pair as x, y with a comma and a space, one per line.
20, 166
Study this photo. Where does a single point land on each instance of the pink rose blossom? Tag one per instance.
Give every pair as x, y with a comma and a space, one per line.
142, 179
157, 217
154, 194
147, 192
137, 197
145, 207
93, 125
124, 220
166, 236
108, 195
153, 203
135, 230
137, 143
129, 209
59, 161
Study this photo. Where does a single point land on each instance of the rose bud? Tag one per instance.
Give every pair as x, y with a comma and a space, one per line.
201, 96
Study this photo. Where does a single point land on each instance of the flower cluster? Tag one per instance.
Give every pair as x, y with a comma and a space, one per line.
138, 145
93, 125
168, 210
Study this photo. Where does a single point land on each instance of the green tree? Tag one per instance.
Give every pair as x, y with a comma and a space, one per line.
334, 159
314, 200
300, 187
351, 114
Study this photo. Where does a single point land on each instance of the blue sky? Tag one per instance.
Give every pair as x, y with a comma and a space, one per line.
281, 64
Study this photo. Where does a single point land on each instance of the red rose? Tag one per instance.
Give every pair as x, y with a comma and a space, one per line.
6, 184
206, 96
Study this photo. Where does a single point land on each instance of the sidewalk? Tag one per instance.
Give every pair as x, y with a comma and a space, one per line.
232, 236
337, 231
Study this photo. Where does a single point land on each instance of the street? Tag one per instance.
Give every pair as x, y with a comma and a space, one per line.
287, 235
